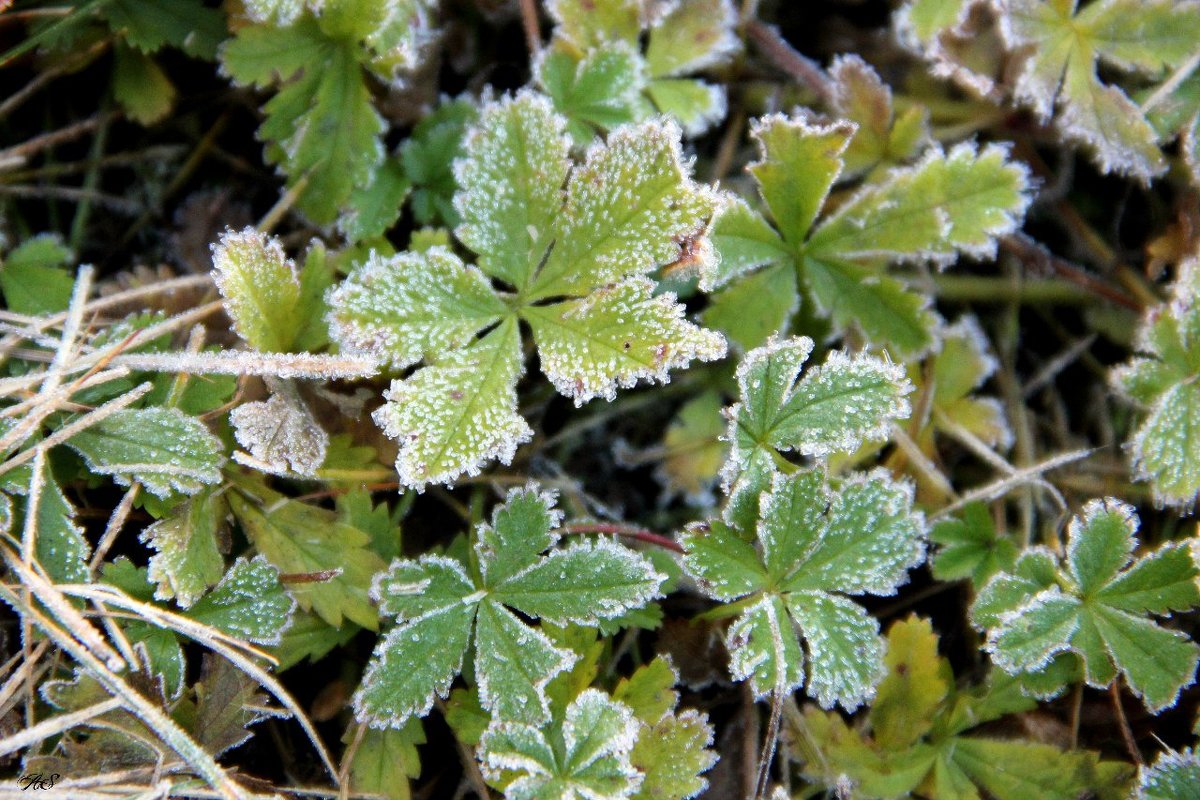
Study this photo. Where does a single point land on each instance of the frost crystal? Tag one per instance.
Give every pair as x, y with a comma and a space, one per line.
281, 434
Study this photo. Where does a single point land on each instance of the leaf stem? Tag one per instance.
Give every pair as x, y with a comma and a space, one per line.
639, 534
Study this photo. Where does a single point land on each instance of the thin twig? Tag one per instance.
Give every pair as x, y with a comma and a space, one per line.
638, 534
55, 725
529, 23
800, 68
1123, 723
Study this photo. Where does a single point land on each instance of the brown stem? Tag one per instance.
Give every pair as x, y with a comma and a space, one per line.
800, 68
638, 534
1123, 724
1034, 253
529, 21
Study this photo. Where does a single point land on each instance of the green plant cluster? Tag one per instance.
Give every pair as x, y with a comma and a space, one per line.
611, 401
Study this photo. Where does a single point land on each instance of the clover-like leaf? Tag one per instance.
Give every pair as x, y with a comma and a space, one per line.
970, 547
961, 366
948, 204
589, 762
816, 545
575, 242
437, 604
1063, 45
249, 603
1098, 603
883, 136
1165, 448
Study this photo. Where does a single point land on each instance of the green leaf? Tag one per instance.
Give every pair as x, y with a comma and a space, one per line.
835, 407
1174, 775
280, 433
672, 754
321, 125
310, 637
261, 289
614, 337
694, 35
1062, 48
188, 559
587, 23
800, 162
386, 760
860, 538
627, 208
695, 105
460, 412
860, 96
1165, 447
33, 279
970, 547
151, 24
406, 307
919, 21
510, 178
437, 605
599, 91
375, 207
428, 155
249, 603
590, 760
962, 364
140, 86
743, 240
1102, 610
61, 547
949, 203
162, 448
771, 292
330, 559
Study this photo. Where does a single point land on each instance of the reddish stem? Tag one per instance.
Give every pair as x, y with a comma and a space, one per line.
640, 534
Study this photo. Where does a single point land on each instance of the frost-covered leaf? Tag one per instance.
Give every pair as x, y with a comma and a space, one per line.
405, 307
280, 433
693, 451
1174, 775
228, 702
61, 547
437, 605
1166, 448
627, 208
162, 448
960, 367
577, 258
835, 407
458, 413
510, 186
589, 762
816, 542
599, 91
188, 559
947, 204
249, 603
617, 336
916, 684
330, 560
1063, 45
1100, 609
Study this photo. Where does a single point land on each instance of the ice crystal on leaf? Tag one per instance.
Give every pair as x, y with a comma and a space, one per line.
1097, 603
590, 761
1166, 448
1174, 775
598, 76
162, 448
835, 407
573, 242
817, 545
188, 559
947, 204
1062, 45
437, 604
281, 434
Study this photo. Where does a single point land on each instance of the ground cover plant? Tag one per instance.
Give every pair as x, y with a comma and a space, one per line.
600, 399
